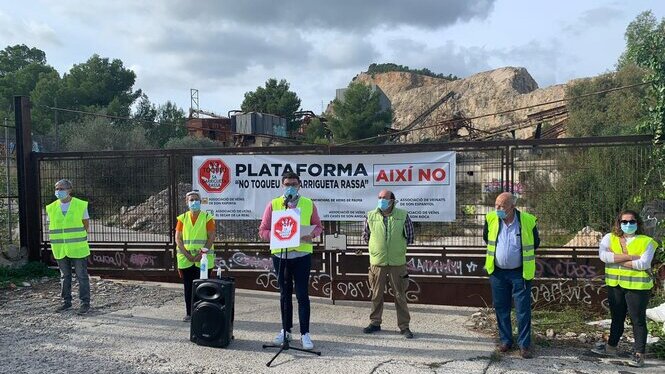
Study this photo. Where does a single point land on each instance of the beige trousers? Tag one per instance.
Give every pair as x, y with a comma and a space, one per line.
378, 276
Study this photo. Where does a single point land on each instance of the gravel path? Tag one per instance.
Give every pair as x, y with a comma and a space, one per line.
137, 328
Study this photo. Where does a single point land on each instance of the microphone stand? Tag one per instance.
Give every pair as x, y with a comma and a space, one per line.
285, 346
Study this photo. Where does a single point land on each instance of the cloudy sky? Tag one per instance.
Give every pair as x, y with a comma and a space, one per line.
225, 48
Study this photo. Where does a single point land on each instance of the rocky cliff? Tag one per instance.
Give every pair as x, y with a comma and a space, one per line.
483, 93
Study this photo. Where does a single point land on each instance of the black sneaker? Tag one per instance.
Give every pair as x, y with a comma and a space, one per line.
63, 307
83, 309
187, 318
603, 349
371, 328
407, 333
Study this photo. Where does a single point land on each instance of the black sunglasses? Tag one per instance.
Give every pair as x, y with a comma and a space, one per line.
632, 221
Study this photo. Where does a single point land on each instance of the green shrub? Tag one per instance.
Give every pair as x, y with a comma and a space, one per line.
29, 271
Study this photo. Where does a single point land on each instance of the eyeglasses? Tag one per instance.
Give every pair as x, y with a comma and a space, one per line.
294, 184
632, 222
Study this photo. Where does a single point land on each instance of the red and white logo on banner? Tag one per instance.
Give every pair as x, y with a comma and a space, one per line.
214, 175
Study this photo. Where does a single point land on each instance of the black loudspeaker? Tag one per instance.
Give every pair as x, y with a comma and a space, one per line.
212, 312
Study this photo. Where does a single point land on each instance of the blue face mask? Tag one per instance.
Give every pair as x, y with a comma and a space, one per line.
61, 194
291, 191
195, 205
383, 204
501, 213
629, 228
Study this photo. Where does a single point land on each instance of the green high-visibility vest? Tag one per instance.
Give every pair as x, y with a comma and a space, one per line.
387, 246
66, 231
632, 279
527, 224
306, 207
195, 237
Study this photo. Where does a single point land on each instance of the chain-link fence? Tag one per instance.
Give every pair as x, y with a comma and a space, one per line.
128, 195
577, 190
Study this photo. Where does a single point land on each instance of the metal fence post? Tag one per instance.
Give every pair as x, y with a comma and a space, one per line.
173, 205
509, 166
27, 182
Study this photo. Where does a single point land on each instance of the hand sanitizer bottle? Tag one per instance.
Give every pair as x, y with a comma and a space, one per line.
204, 264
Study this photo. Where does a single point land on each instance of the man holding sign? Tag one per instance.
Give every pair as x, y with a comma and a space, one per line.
290, 222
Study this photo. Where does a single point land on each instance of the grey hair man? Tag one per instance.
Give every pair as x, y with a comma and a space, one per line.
388, 230
68, 234
512, 238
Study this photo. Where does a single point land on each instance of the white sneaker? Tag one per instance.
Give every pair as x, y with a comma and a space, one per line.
279, 339
306, 341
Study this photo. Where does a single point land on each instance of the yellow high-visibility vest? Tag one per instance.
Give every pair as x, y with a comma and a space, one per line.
66, 231
527, 224
631, 279
195, 237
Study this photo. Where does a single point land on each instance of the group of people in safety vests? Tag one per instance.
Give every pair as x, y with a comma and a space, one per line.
511, 236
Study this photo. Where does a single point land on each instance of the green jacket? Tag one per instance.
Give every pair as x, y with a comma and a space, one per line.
387, 245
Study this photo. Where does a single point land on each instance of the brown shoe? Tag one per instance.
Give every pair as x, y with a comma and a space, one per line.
526, 353
503, 348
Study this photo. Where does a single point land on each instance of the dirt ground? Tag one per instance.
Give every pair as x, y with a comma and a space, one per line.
136, 328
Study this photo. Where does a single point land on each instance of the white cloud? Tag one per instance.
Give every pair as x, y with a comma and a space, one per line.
341, 15
598, 17
226, 47
14, 30
42, 31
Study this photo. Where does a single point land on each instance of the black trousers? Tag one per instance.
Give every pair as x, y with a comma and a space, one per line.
188, 276
634, 302
296, 270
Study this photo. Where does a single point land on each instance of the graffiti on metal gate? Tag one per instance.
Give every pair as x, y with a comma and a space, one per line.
322, 283
123, 260
567, 292
564, 268
362, 290
429, 266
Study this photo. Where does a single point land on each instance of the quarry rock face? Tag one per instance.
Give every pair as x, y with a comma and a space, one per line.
483, 93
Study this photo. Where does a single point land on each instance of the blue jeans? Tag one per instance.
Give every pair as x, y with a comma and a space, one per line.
506, 285
81, 268
296, 271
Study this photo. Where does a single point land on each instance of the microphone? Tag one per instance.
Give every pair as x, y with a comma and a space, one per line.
287, 199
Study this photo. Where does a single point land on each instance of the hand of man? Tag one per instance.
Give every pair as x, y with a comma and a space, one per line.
197, 258
306, 238
187, 255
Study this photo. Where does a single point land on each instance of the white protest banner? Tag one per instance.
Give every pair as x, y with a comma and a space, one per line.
285, 229
343, 187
